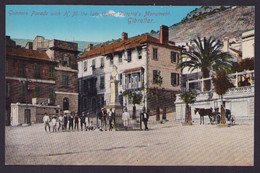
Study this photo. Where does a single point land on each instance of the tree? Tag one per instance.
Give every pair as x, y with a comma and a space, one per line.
246, 64
135, 97
155, 92
206, 56
222, 84
188, 97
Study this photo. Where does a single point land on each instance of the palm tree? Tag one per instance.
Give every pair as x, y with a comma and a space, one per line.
206, 56
188, 97
222, 84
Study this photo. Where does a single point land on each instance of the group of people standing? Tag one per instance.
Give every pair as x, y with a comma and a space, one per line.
144, 116
68, 121
105, 120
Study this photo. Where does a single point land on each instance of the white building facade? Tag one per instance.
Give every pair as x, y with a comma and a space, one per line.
137, 60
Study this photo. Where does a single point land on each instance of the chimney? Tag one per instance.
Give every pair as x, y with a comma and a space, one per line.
164, 34
226, 45
90, 46
124, 36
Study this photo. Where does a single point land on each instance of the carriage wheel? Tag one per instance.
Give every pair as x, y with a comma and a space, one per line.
218, 118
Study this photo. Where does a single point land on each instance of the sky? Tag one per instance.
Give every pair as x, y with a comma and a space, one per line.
88, 23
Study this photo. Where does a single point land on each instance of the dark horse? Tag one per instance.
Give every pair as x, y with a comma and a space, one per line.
204, 112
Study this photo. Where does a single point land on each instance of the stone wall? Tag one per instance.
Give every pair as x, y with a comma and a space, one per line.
239, 100
73, 100
37, 113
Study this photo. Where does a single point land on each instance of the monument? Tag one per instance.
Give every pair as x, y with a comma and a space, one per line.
114, 101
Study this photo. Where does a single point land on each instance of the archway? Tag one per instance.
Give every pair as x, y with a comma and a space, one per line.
65, 104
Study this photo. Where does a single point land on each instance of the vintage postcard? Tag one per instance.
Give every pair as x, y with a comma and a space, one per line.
129, 85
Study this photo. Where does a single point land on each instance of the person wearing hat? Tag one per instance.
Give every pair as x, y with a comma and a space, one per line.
125, 118
111, 115
145, 118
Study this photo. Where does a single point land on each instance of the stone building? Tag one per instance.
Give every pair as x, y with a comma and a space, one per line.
138, 60
65, 54
29, 74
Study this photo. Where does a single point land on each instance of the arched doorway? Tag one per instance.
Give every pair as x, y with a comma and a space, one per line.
65, 104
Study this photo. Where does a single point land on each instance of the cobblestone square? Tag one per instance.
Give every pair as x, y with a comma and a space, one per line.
163, 145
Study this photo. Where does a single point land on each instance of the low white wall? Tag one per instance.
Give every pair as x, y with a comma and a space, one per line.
240, 103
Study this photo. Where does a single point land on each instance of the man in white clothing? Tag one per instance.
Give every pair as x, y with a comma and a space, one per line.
54, 123
125, 118
46, 121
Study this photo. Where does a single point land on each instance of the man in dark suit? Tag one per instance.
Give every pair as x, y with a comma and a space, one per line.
83, 121
101, 119
145, 117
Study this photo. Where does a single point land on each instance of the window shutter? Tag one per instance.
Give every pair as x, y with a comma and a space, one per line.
154, 76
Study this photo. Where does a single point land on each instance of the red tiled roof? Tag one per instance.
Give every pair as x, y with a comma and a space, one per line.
124, 44
26, 53
132, 69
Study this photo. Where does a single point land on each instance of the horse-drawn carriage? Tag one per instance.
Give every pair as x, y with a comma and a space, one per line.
215, 116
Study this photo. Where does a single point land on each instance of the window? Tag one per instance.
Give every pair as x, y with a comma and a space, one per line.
51, 72
21, 67
66, 60
21, 91
51, 93
37, 71
120, 76
139, 53
138, 77
174, 57
102, 63
155, 53
7, 88
155, 72
37, 92
129, 56
102, 82
174, 79
93, 64
102, 101
85, 68
65, 80
111, 60
120, 58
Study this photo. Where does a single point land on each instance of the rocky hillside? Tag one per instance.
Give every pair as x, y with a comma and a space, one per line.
230, 22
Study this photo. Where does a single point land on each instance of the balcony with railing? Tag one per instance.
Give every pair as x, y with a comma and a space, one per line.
241, 80
134, 85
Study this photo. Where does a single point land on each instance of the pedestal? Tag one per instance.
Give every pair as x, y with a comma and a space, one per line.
117, 109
